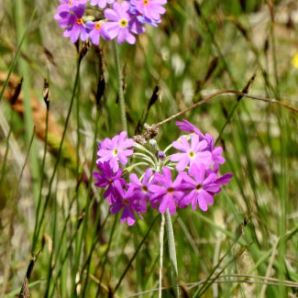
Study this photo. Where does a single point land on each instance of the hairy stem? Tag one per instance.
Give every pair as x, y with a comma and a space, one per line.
161, 253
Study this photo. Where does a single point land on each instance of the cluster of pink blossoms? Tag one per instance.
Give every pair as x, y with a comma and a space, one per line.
190, 176
109, 19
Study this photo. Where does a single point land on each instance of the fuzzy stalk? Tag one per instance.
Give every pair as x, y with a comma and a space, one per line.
172, 250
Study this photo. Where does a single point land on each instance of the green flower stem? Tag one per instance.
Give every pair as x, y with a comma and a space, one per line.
172, 250
120, 87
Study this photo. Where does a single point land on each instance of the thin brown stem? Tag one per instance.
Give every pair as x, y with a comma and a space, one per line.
225, 93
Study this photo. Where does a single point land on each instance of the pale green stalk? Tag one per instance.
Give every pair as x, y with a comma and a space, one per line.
161, 253
172, 250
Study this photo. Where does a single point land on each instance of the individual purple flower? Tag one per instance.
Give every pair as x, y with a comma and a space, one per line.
138, 21
193, 152
126, 201
115, 150
70, 18
135, 25
202, 185
63, 13
101, 3
165, 193
141, 187
216, 152
150, 9
96, 31
118, 20
105, 178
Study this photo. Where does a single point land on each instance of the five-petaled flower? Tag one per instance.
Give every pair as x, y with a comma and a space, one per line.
202, 185
115, 150
193, 151
166, 192
117, 25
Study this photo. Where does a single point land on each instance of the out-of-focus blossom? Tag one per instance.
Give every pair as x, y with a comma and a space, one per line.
118, 23
122, 20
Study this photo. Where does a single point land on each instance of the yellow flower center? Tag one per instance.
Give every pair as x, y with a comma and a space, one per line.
191, 154
145, 2
115, 152
123, 23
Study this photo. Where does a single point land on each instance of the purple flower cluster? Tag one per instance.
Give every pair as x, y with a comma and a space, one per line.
188, 177
120, 20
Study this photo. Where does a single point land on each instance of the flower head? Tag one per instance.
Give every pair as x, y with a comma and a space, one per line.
194, 180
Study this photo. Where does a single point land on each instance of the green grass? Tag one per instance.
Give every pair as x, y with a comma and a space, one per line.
55, 226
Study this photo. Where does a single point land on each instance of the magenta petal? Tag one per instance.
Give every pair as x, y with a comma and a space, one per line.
202, 203
130, 38
198, 172
111, 29
167, 203
111, 15
181, 144
225, 179
182, 164
128, 216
